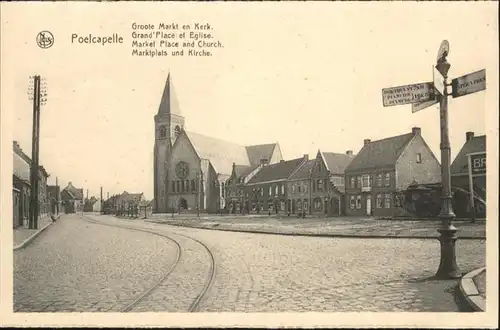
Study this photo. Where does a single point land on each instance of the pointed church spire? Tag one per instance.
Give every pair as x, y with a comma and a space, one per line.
169, 104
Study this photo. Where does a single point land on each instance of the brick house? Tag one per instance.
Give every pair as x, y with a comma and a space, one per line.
267, 190
386, 167
460, 176
327, 183
299, 188
72, 198
233, 188
21, 184
127, 200
20, 190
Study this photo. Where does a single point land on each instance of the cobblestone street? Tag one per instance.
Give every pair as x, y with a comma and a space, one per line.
77, 265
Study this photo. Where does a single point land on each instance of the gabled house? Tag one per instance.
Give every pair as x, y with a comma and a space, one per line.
383, 168
460, 176
267, 190
327, 182
72, 198
127, 200
299, 188
110, 205
232, 189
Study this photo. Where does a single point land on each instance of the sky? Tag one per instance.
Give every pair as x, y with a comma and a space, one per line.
306, 75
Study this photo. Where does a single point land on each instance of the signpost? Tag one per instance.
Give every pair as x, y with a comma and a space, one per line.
477, 167
415, 107
468, 84
438, 80
422, 96
407, 94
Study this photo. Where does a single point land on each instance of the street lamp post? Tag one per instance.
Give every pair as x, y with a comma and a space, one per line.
448, 264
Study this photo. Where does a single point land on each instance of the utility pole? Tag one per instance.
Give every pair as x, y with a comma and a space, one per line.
102, 204
57, 197
198, 181
33, 215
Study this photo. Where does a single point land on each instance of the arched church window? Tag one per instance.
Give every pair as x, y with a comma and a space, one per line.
177, 131
163, 132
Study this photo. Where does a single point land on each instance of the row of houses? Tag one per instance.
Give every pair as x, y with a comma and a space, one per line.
51, 199
371, 182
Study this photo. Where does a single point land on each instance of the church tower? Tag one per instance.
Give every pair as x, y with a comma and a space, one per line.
168, 124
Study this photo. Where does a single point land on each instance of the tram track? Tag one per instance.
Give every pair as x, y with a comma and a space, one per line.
195, 305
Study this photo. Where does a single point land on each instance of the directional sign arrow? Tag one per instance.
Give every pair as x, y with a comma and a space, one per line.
415, 107
468, 84
408, 94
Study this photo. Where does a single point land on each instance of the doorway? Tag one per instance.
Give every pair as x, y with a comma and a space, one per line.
183, 204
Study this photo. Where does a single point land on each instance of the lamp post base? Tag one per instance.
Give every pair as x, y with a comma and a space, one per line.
448, 268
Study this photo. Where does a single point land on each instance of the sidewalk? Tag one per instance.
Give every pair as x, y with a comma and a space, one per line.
23, 236
336, 226
473, 289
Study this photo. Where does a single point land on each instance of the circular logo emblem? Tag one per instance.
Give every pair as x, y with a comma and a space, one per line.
45, 39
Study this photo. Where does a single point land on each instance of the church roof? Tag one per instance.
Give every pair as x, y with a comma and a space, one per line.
277, 171
336, 162
169, 103
220, 153
461, 162
380, 154
260, 151
243, 170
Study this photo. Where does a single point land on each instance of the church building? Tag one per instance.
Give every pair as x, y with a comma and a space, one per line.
190, 169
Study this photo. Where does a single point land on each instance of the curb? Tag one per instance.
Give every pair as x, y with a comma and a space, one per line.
32, 237
469, 291
252, 231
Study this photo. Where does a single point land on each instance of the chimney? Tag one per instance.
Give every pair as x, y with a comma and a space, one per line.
367, 141
416, 130
306, 157
469, 136
348, 152
263, 161
282, 161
